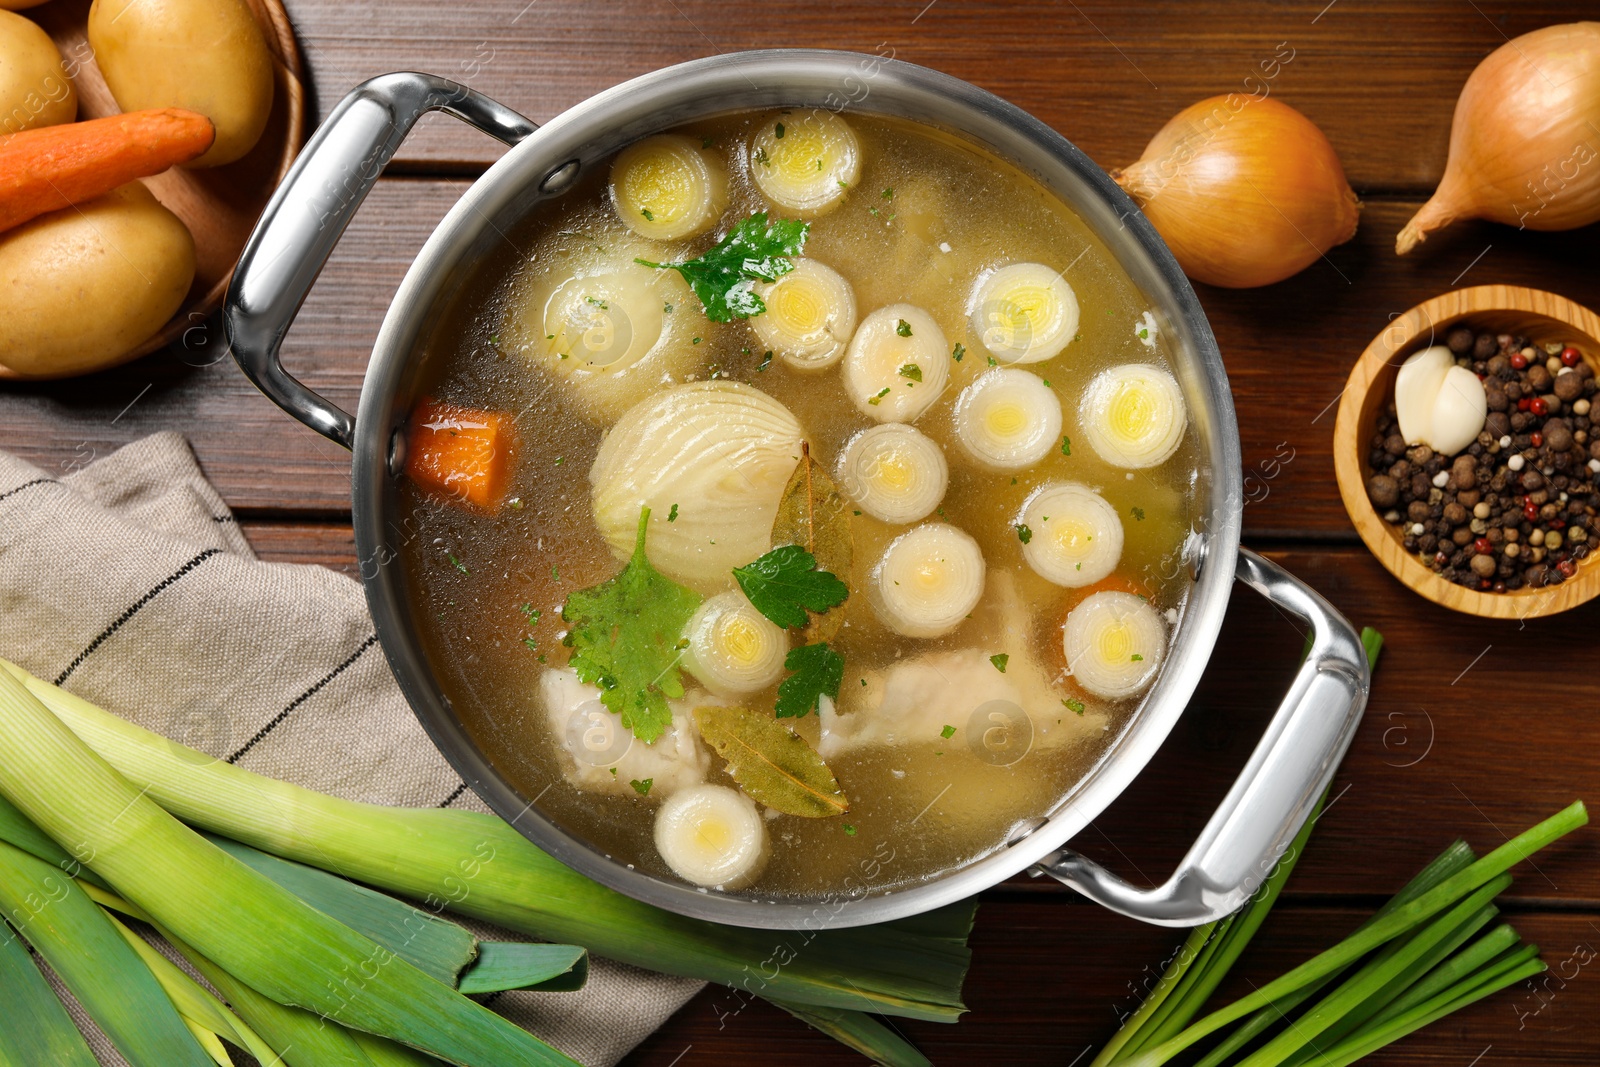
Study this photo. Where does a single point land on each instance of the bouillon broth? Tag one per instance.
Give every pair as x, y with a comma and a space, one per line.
968, 703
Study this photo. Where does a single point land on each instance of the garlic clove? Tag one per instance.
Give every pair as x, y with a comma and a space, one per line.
1459, 411
1416, 390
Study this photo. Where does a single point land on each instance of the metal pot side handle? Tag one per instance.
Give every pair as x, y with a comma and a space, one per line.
1272, 797
309, 212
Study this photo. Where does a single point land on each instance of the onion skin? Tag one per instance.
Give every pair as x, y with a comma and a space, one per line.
1245, 190
1525, 139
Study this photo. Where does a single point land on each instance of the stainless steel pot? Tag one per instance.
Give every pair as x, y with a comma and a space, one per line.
1302, 746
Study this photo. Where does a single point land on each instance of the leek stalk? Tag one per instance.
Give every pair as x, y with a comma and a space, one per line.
478, 865
249, 925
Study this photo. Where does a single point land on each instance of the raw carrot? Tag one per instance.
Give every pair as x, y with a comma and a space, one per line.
54, 167
460, 453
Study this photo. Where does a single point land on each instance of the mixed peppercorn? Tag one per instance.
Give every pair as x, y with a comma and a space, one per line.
1517, 508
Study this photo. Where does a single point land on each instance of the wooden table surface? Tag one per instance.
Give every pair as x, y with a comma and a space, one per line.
1475, 729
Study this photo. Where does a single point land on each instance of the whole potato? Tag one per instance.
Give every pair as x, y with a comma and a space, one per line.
34, 87
88, 284
205, 55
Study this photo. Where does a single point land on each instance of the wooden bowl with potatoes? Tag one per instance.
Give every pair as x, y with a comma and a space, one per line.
193, 109
1533, 494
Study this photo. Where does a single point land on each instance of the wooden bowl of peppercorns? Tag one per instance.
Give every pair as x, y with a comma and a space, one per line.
1509, 527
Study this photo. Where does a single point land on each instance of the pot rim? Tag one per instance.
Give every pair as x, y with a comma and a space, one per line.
591, 131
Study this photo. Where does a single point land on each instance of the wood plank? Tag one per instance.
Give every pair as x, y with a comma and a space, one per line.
1456, 741
1050, 980
1287, 349
1105, 73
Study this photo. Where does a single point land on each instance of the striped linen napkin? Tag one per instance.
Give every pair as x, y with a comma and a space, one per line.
129, 583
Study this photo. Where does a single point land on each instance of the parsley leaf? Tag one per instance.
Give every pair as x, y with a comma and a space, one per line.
1023, 533
959, 351
624, 635
784, 584
755, 250
912, 371
1066, 446
642, 786
1000, 660
902, 327
948, 732
1074, 705
817, 671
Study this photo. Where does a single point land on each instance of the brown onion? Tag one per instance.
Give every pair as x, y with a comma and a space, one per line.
1525, 140
1245, 190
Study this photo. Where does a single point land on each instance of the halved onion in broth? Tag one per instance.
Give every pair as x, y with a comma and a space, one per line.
1114, 643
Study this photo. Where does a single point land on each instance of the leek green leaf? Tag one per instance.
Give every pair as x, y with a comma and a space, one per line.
17, 829
385, 1053
624, 635
49, 1035
815, 515
90, 957
437, 946
521, 965
861, 1032
197, 1005
303, 1038
772, 764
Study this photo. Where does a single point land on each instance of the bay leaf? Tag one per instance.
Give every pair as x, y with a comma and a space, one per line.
771, 763
814, 514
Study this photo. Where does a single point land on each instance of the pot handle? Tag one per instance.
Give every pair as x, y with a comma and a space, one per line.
1272, 797
309, 212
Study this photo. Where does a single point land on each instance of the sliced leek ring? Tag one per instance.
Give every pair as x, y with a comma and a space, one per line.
1024, 313
1008, 419
928, 581
733, 648
1133, 415
668, 187
1074, 536
805, 162
894, 473
601, 322
1114, 643
713, 836
897, 364
811, 313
